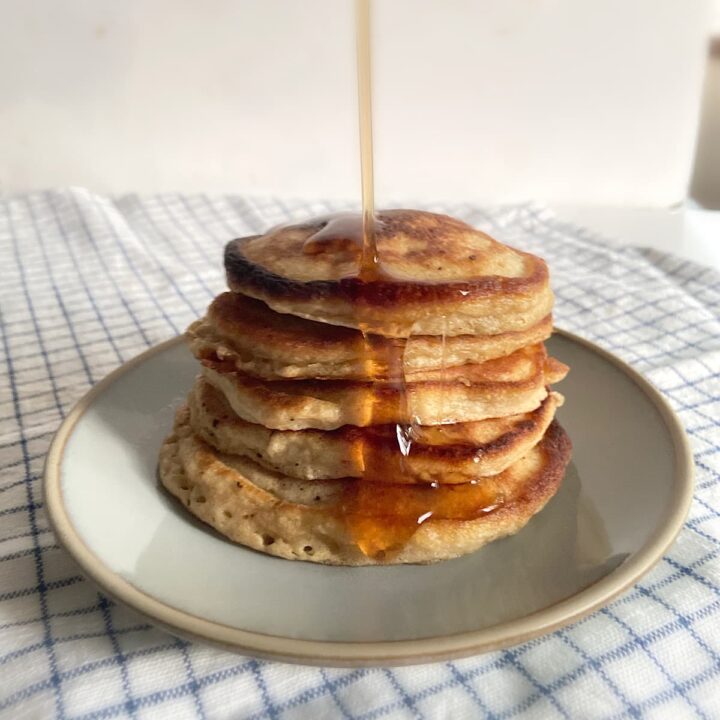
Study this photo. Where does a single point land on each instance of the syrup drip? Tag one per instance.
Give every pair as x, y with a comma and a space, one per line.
382, 518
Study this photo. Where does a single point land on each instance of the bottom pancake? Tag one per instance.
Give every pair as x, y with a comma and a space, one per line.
327, 521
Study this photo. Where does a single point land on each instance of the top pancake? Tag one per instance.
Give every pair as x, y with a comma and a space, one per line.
435, 276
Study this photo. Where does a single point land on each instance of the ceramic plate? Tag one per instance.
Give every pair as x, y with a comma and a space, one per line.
624, 498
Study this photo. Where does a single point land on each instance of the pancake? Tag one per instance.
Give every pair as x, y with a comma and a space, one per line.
270, 345
320, 521
436, 276
504, 386
445, 454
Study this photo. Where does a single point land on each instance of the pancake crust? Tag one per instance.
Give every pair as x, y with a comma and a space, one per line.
504, 386
270, 345
299, 519
446, 454
445, 278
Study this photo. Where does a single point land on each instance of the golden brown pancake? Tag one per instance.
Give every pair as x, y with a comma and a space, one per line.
467, 393
438, 454
438, 276
322, 521
271, 345
354, 411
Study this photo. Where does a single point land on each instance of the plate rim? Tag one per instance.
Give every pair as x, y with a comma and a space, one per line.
373, 653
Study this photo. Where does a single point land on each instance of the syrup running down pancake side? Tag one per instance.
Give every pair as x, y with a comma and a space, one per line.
382, 516
380, 510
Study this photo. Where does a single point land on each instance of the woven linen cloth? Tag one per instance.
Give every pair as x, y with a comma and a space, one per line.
90, 281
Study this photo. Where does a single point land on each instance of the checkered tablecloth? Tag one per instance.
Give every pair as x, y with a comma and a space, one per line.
90, 281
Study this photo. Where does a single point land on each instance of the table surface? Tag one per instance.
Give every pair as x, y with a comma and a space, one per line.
89, 281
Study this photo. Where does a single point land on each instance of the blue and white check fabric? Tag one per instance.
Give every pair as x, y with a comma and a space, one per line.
90, 281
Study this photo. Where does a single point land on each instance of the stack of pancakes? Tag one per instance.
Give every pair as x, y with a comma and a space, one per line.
401, 415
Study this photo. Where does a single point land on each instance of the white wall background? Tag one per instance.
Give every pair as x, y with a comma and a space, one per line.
560, 100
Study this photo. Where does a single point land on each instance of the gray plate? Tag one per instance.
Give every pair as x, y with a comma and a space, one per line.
624, 498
